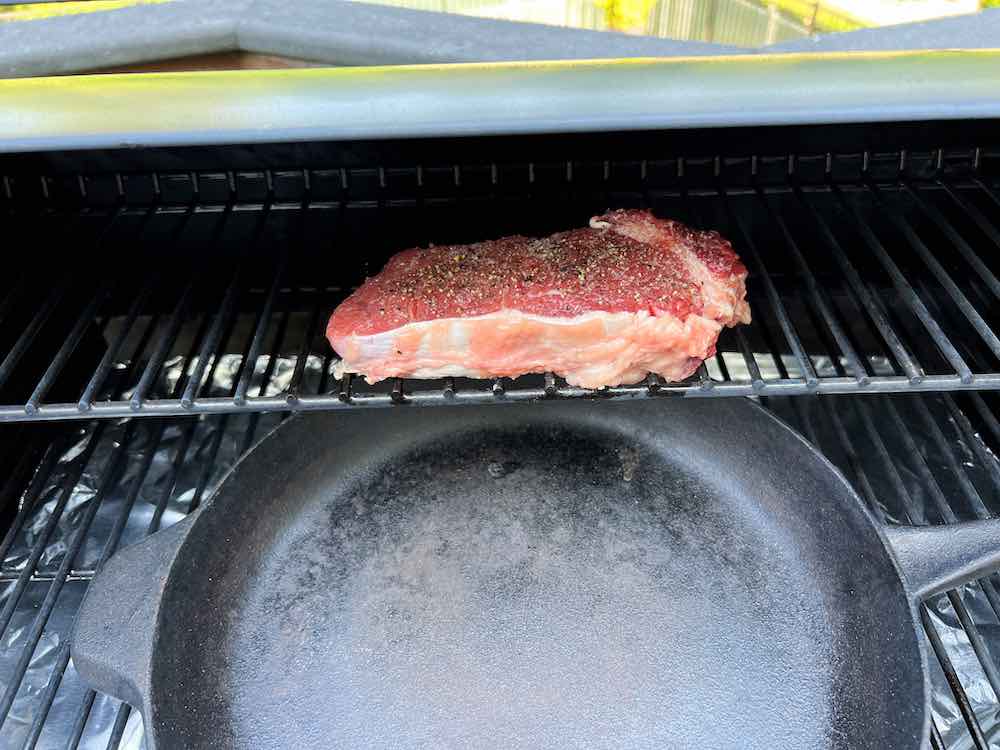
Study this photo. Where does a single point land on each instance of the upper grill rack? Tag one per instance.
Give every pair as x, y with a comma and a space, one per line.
886, 282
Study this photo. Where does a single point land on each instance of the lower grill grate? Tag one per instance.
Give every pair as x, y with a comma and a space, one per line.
855, 287
104, 484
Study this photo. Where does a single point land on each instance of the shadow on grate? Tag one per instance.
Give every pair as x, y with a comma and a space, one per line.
856, 287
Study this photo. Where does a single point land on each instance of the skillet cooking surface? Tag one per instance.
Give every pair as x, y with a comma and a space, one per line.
512, 582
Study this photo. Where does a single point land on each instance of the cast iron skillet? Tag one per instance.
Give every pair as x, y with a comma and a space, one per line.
644, 575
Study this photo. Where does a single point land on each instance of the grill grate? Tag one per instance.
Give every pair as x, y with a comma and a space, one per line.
855, 287
104, 484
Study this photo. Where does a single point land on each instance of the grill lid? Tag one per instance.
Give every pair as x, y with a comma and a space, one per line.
170, 109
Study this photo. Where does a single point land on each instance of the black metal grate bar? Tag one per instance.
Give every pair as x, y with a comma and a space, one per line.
961, 698
211, 342
31, 330
977, 216
982, 453
976, 640
166, 341
118, 730
958, 296
953, 235
937, 743
93, 387
24, 577
263, 321
798, 350
302, 355
973, 499
110, 474
31, 496
910, 296
69, 346
818, 297
868, 298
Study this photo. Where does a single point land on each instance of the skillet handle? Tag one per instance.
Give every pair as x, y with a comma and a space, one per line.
112, 642
936, 558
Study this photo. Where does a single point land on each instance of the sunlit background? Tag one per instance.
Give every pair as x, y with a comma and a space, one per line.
747, 23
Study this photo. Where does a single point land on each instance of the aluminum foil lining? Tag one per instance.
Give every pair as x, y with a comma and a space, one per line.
191, 455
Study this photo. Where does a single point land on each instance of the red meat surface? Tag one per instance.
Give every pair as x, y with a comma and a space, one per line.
601, 305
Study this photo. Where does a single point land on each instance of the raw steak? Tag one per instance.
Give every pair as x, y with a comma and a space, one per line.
604, 305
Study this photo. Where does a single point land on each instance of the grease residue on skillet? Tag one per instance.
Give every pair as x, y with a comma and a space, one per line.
530, 587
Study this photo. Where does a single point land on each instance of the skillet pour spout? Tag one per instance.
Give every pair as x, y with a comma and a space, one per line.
560, 575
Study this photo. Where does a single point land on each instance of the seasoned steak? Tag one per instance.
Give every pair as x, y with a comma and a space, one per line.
602, 305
